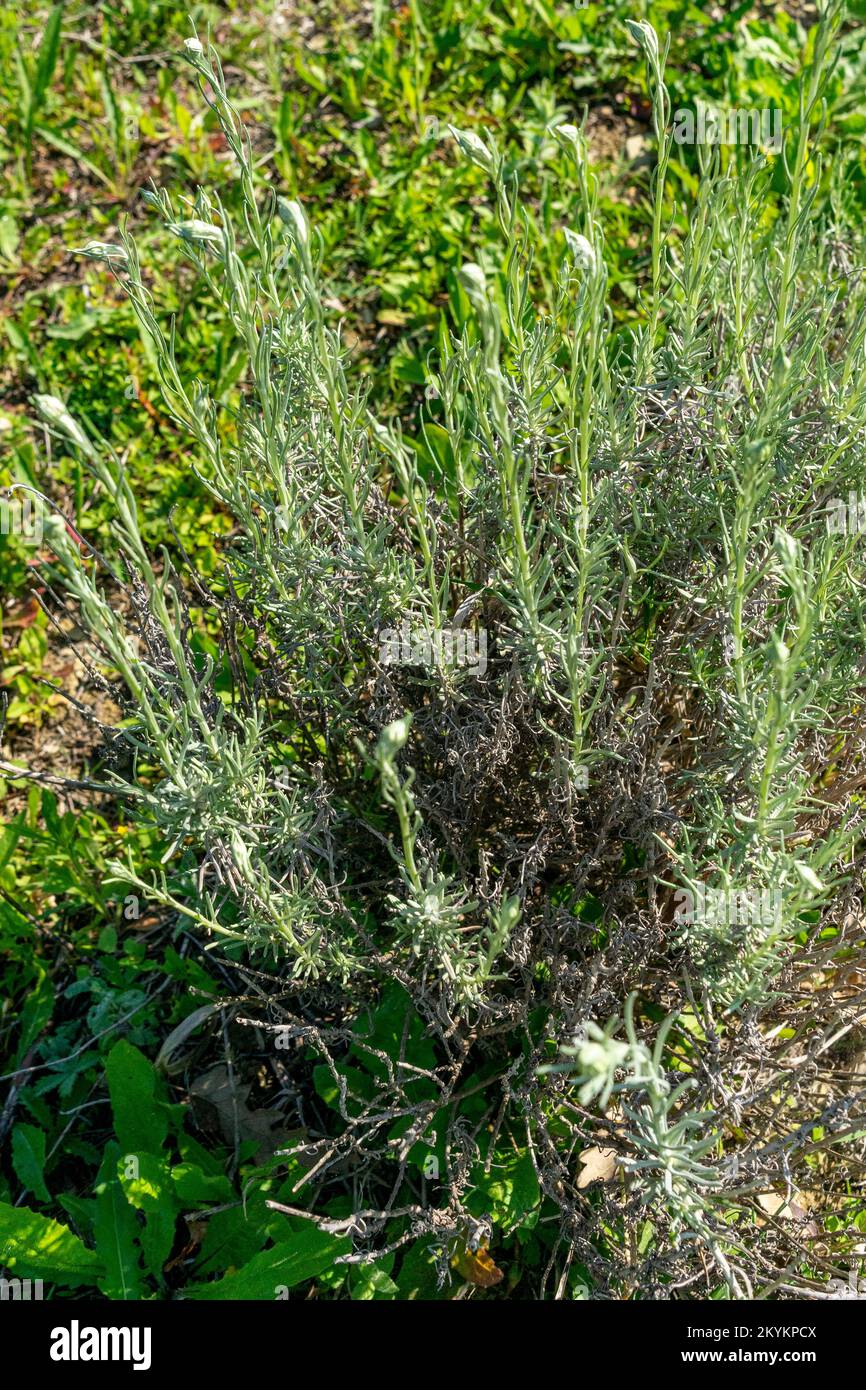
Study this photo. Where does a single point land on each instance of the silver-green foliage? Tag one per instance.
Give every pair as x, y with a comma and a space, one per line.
638, 517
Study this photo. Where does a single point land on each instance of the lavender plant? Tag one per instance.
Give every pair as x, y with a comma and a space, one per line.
637, 521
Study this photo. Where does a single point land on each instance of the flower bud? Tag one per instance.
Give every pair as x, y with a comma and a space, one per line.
581, 249
571, 139
809, 877
195, 230
471, 277
393, 737
53, 411
102, 251
645, 35
474, 148
292, 214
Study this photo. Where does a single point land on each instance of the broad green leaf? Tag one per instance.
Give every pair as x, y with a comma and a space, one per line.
372, 1282
140, 1117
145, 1179
232, 1238
36, 1013
157, 1238
115, 1230
360, 1087
147, 1185
28, 1159
10, 834
509, 1192
78, 327
417, 1279
193, 1187
287, 1264
395, 1029
435, 443
209, 1161
81, 1209
37, 1247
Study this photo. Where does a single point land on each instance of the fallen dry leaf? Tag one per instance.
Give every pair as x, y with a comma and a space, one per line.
597, 1165
775, 1204
197, 1231
477, 1268
226, 1097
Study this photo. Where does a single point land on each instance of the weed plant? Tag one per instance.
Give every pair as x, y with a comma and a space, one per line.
438, 888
